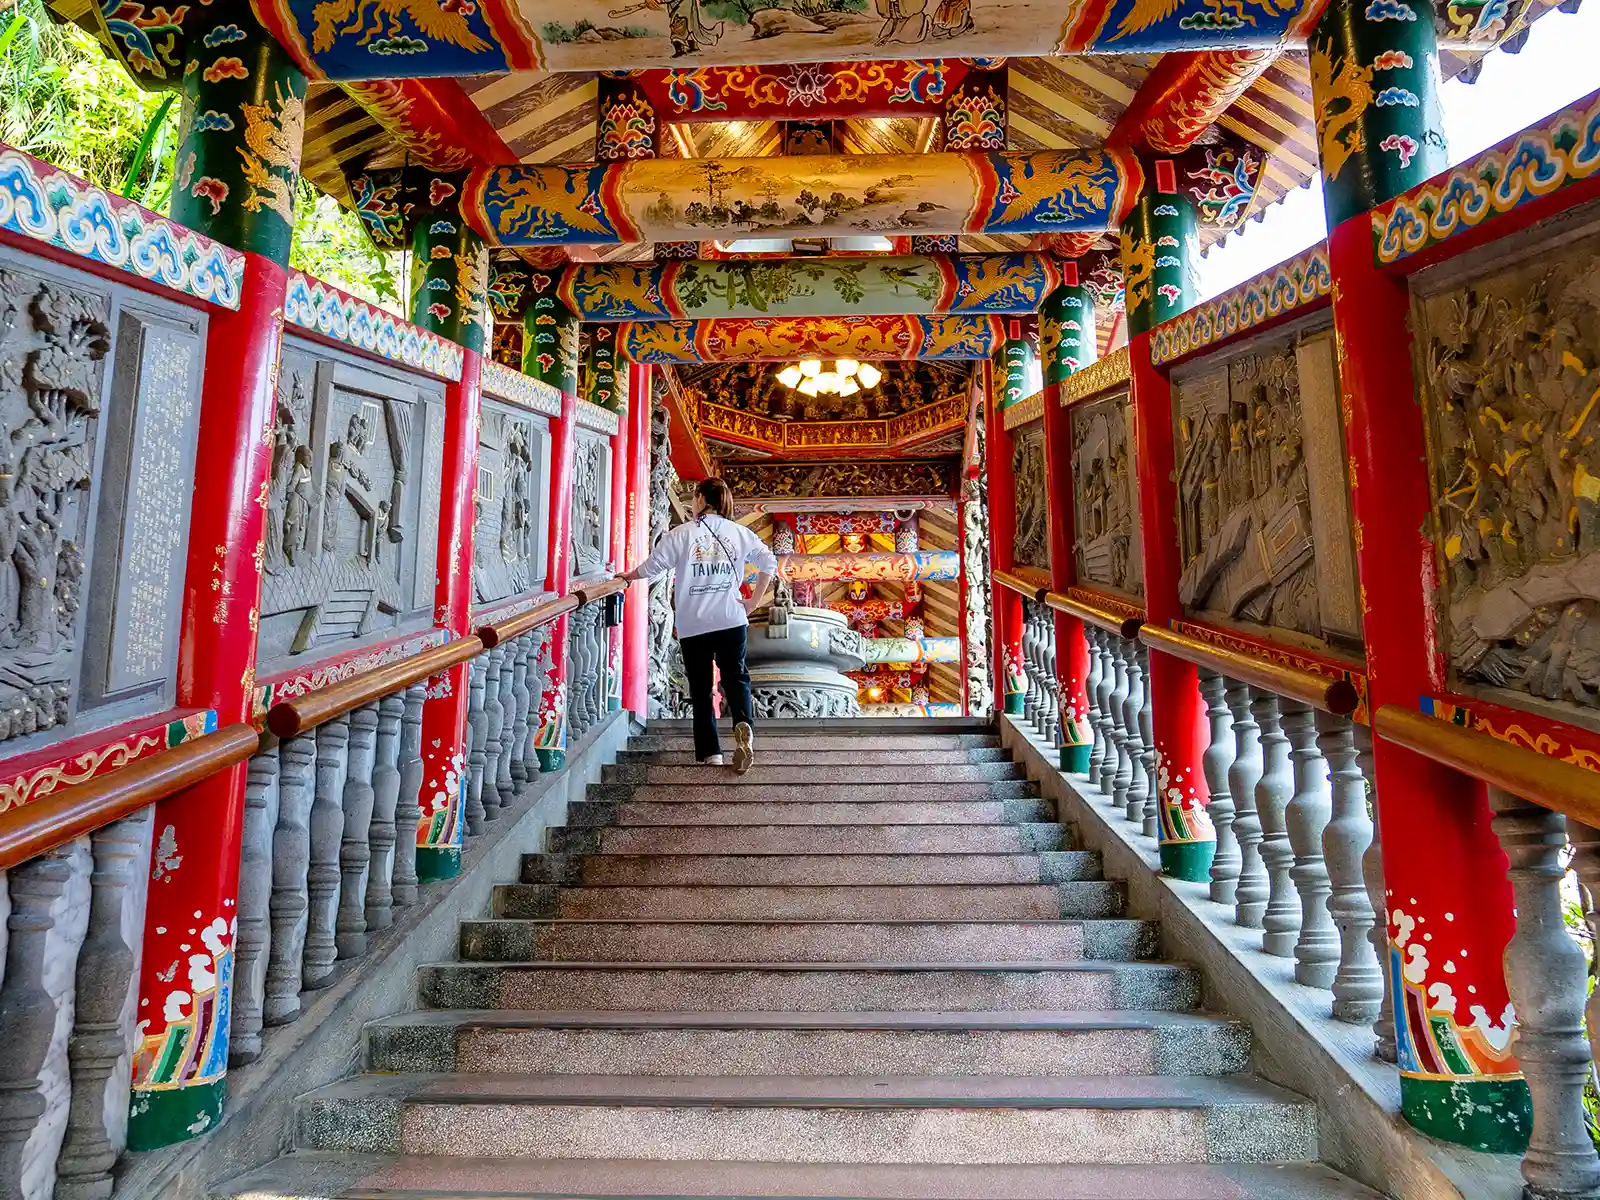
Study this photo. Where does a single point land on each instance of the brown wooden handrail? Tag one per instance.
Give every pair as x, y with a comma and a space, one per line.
1292, 683
540, 614
1561, 787
29, 830
1100, 618
1028, 589
589, 593
292, 717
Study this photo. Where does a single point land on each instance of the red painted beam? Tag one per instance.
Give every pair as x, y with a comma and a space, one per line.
1185, 95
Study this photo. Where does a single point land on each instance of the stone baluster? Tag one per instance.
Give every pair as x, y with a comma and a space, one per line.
355, 852
382, 835
1108, 726
327, 837
1030, 668
1316, 950
408, 808
100, 1050
1217, 759
1250, 889
1383, 1033
29, 1013
1281, 920
1091, 689
1358, 982
1547, 979
477, 738
253, 934
1585, 841
291, 864
1052, 679
522, 699
504, 784
493, 723
575, 676
537, 665
1122, 776
1147, 740
1138, 784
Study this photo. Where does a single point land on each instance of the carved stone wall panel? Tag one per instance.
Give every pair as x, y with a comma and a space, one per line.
1106, 496
1248, 478
99, 397
1327, 479
510, 540
1508, 352
352, 511
591, 503
1030, 545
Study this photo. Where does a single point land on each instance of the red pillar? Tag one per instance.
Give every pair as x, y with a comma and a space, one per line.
1010, 682
441, 825
1450, 907
551, 741
181, 1060
1178, 715
636, 607
620, 444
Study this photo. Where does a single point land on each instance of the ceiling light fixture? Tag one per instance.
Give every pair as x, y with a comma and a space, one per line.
846, 378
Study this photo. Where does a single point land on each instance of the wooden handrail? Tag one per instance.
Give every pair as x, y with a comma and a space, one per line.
1025, 587
1100, 618
29, 830
599, 591
292, 717
540, 614
1292, 683
1561, 787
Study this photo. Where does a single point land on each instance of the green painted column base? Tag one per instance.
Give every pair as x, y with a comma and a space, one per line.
1188, 860
614, 704
1075, 759
551, 760
1015, 702
172, 1115
1495, 1115
438, 862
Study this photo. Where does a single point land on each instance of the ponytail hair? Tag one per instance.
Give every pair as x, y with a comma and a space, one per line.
717, 496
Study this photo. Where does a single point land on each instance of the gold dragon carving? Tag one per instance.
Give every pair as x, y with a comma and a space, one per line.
1346, 91
272, 140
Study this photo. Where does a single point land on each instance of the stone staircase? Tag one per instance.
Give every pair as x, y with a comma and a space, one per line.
872, 967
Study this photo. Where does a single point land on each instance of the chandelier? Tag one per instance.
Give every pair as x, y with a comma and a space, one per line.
847, 377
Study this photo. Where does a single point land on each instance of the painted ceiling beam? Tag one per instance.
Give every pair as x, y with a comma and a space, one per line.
828, 91
1185, 95
784, 339
433, 123
906, 650
885, 566
658, 200
893, 286
339, 39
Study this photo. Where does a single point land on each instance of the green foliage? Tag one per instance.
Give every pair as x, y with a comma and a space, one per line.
330, 244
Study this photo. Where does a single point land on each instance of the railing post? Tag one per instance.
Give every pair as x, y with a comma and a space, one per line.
1250, 890
1138, 783
1358, 983
1216, 761
636, 608
177, 1086
1281, 919
1316, 952
1090, 637
1548, 979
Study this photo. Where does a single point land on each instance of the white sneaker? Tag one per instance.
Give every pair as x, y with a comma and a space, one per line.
744, 753
714, 761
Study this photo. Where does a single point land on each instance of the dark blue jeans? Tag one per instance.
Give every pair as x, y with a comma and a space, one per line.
725, 647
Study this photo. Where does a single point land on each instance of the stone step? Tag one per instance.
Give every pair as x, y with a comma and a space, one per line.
800, 751
900, 747
825, 1119
513, 940
889, 729
817, 774
809, 839
754, 1043
313, 1175
803, 987
866, 811
776, 870
995, 789
814, 902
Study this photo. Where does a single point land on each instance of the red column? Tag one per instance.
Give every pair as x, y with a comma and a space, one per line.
636, 608
1178, 716
180, 1063
551, 741
1450, 907
444, 715
1072, 651
620, 444
1010, 683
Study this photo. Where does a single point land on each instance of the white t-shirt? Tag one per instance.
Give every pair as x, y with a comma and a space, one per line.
709, 555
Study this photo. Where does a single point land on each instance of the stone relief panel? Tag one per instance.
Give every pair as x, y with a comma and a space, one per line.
352, 504
591, 503
99, 397
1263, 509
1030, 545
509, 542
1106, 496
1508, 361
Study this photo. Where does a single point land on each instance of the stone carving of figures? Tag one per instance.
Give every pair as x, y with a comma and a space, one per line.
297, 507
333, 496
